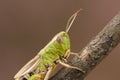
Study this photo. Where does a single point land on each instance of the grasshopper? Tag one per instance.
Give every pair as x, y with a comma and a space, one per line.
55, 52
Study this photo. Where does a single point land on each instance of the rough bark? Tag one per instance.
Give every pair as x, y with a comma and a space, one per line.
94, 52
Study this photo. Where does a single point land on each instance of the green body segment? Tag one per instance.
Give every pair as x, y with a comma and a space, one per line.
55, 49
58, 47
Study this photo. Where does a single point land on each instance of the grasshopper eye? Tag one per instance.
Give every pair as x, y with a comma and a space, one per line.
60, 40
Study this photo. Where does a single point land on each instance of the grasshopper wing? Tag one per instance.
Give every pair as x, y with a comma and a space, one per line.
30, 66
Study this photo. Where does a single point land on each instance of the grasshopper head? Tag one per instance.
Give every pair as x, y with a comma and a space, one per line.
63, 40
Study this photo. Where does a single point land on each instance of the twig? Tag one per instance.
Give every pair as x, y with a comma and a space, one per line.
94, 52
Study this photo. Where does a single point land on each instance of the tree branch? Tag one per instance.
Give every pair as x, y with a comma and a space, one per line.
94, 52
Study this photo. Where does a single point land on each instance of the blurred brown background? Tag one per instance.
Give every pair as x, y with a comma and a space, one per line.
26, 26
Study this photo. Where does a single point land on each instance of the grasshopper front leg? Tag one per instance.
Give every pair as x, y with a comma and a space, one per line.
48, 73
74, 54
69, 66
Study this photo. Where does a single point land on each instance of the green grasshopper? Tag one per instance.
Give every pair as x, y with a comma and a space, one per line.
55, 52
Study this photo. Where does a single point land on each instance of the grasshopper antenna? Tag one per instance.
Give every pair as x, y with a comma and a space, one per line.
71, 20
